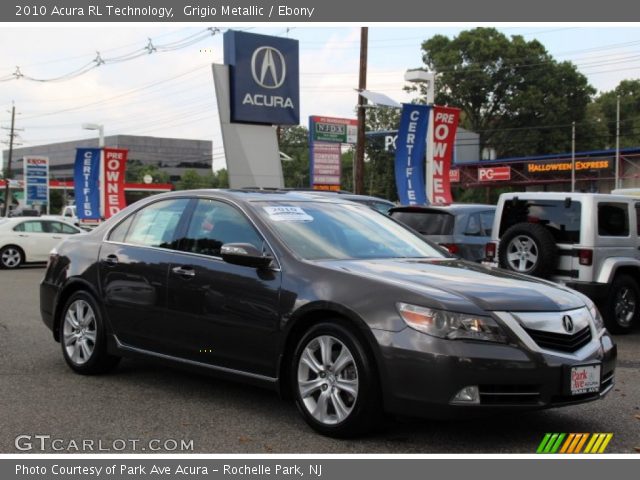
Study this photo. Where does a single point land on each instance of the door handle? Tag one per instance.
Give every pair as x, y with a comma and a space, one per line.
111, 260
184, 271
56, 237
23, 235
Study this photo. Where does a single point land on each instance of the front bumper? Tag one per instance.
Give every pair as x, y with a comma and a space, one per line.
422, 374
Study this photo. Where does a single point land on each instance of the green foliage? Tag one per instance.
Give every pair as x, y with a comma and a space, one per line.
136, 171
192, 180
56, 201
605, 113
294, 142
511, 91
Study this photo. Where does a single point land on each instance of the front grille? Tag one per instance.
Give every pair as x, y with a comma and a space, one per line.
561, 342
509, 394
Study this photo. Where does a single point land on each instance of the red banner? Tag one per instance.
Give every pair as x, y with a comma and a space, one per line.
445, 124
492, 174
115, 163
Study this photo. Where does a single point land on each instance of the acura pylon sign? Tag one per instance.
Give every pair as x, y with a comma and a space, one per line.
263, 76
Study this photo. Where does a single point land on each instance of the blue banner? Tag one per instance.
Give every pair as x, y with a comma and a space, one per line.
86, 178
410, 150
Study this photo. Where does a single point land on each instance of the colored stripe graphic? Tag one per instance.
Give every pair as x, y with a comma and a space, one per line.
574, 443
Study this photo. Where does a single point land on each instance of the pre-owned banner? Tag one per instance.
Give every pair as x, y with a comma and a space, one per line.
410, 148
86, 177
115, 163
445, 124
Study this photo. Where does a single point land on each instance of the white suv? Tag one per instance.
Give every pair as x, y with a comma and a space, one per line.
589, 242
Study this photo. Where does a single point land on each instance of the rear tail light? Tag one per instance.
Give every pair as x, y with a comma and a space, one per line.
585, 257
490, 251
53, 255
452, 247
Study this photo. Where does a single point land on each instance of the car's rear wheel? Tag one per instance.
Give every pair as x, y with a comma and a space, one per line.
11, 257
528, 248
623, 308
334, 382
83, 338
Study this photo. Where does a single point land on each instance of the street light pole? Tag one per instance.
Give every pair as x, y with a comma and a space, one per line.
100, 128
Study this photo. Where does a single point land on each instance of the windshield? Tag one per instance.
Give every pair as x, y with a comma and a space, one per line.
316, 231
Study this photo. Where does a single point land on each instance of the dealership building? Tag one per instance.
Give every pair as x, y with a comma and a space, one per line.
171, 155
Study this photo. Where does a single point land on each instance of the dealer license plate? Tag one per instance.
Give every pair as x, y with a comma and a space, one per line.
585, 379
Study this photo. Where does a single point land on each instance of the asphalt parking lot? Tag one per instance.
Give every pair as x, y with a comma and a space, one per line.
145, 401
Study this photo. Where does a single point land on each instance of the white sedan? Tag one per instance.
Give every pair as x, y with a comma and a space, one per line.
30, 239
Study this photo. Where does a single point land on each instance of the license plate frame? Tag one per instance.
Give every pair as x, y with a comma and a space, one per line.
584, 379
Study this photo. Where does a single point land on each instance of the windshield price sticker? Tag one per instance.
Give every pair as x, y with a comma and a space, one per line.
288, 214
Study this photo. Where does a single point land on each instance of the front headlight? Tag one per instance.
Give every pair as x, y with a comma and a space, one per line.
450, 325
595, 315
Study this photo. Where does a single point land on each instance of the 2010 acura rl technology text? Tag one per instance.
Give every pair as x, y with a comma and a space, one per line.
325, 300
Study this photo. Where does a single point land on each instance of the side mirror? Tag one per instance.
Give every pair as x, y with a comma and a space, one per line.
244, 254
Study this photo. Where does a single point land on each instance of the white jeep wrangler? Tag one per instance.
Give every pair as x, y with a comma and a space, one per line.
589, 242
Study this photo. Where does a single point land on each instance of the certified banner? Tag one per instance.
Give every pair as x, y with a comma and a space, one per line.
445, 124
86, 177
410, 148
115, 164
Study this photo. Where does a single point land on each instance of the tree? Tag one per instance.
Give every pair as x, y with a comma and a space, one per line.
294, 142
136, 171
605, 106
511, 91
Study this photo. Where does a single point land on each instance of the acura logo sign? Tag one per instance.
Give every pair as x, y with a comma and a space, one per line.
268, 67
567, 322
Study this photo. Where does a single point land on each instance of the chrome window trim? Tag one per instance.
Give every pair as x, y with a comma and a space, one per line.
105, 238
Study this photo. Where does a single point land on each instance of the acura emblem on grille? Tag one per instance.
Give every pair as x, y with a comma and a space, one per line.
567, 322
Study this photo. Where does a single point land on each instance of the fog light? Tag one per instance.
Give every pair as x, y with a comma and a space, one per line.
467, 395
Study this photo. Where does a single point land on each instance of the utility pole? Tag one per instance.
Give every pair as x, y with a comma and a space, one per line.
7, 175
573, 156
617, 182
358, 164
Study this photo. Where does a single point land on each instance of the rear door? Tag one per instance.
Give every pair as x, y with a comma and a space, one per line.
33, 238
476, 232
615, 231
133, 269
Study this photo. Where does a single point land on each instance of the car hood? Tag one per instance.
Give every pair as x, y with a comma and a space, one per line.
451, 281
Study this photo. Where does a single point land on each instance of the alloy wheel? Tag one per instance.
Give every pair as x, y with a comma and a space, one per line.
328, 380
79, 332
522, 254
625, 306
11, 257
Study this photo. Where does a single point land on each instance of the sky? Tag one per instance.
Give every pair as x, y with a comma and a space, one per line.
170, 93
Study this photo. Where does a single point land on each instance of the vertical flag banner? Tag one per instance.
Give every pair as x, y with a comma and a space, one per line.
86, 177
445, 124
115, 163
410, 149
36, 181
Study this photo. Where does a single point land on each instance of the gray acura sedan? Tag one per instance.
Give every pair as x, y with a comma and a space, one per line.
327, 302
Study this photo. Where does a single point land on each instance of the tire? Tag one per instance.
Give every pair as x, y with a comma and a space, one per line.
528, 248
343, 403
623, 305
11, 257
83, 337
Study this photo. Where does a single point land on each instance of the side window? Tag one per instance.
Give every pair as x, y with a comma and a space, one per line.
473, 225
486, 222
155, 225
119, 233
59, 227
215, 223
638, 217
613, 220
53, 227
31, 227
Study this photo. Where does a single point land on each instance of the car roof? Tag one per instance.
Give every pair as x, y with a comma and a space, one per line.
563, 195
452, 208
259, 195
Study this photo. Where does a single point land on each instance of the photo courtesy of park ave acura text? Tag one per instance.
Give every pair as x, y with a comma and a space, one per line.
284, 240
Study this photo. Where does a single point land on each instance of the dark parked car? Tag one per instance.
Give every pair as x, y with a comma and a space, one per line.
329, 302
463, 229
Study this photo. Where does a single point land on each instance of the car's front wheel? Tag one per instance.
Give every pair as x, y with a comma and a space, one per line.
623, 308
11, 257
83, 337
334, 382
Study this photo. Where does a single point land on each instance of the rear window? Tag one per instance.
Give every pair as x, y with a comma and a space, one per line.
561, 217
427, 223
